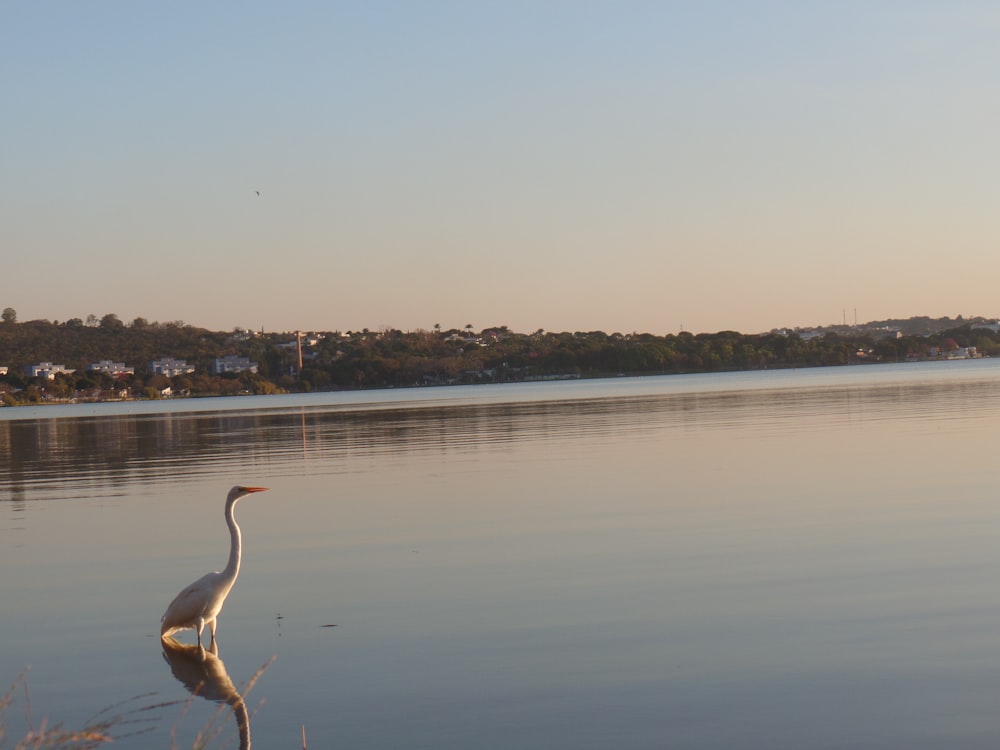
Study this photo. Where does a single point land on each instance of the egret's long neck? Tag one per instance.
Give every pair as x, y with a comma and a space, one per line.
233, 566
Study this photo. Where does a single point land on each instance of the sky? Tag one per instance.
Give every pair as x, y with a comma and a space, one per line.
570, 165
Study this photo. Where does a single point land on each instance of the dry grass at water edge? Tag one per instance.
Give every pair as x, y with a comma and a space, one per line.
116, 722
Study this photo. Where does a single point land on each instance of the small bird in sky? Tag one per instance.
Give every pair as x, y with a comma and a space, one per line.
258, 194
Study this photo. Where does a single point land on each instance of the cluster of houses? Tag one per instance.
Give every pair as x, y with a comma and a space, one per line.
167, 366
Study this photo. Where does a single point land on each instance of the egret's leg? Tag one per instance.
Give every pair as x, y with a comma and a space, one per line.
211, 628
199, 625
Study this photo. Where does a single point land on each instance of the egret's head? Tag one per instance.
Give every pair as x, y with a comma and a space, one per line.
240, 491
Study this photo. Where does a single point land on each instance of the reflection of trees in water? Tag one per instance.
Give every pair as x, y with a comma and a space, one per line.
38, 455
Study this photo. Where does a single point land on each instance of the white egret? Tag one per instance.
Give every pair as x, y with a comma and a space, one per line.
200, 603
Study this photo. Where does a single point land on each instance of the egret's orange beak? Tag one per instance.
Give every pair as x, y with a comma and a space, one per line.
255, 489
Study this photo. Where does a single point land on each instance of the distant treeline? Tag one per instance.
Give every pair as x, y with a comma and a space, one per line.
393, 358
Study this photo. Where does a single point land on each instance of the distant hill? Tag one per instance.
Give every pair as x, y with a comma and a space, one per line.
920, 325
393, 358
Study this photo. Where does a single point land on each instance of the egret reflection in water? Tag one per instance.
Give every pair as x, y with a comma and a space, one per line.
204, 675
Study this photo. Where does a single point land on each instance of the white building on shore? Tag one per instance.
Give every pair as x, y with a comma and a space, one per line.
232, 363
169, 367
46, 370
111, 368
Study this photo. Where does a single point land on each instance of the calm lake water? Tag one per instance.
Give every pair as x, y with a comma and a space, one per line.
795, 559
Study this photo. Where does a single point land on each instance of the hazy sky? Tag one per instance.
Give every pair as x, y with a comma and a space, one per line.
566, 165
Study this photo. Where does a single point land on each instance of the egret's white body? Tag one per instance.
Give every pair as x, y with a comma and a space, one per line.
199, 604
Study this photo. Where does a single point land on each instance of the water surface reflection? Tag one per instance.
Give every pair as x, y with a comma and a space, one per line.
116, 453
615, 566
203, 674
